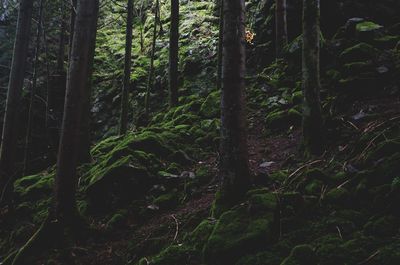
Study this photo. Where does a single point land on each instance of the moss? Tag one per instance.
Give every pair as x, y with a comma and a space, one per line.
338, 197
211, 105
35, 186
368, 26
301, 255
314, 187
261, 258
199, 236
358, 53
167, 201
330, 251
173, 255
283, 119
236, 233
385, 226
262, 202
117, 219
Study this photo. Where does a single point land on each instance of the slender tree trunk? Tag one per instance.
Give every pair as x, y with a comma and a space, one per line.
61, 44
16, 82
72, 25
173, 53
234, 165
151, 71
78, 92
281, 27
220, 43
123, 123
312, 114
35, 65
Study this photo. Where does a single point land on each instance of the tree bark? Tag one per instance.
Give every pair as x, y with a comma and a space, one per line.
28, 137
123, 123
77, 94
173, 54
61, 44
16, 82
151, 71
281, 27
312, 114
220, 43
234, 165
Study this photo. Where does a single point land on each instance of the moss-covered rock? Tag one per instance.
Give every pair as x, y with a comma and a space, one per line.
385, 226
301, 255
167, 201
239, 231
358, 53
199, 236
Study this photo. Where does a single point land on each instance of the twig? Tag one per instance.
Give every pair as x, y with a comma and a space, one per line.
369, 258
176, 226
301, 168
340, 233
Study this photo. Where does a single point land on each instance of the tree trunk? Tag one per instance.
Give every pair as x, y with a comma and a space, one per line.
123, 123
312, 114
77, 94
33, 91
16, 82
61, 44
220, 43
234, 165
173, 53
72, 25
281, 27
56, 90
151, 71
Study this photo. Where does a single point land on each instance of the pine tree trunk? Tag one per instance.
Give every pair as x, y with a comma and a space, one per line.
151, 71
77, 94
312, 114
123, 123
16, 82
173, 54
35, 65
234, 165
281, 27
220, 43
61, 44
72, 25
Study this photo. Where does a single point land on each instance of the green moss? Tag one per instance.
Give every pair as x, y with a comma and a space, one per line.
283, 119
367, 26
199, 236
173, 255
117, 219
301, 255
358, 53
167, 201
385, 226
338, 197
211, 105
35, 186
261, 258
236, 233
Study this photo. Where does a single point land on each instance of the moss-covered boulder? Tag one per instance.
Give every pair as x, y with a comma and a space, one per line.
242, 230
358, 53
301, 255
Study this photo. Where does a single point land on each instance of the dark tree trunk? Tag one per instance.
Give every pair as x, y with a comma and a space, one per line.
56, 89
72, 24
16, 82
123, 123
35, 65
220, 43
151, 71
312, 114
281, 27
77, 94
234, 165
173, 54
61, 44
